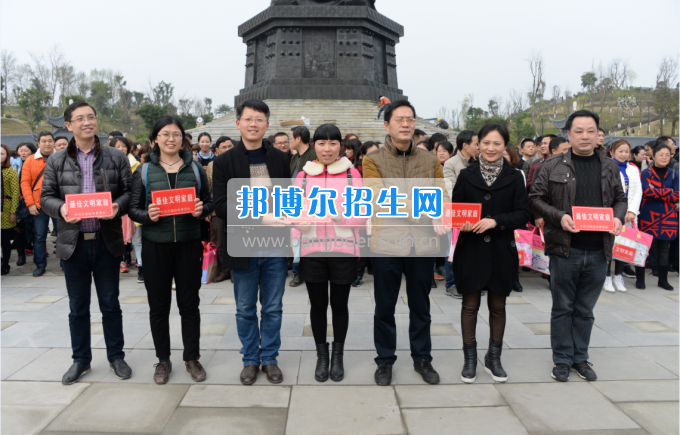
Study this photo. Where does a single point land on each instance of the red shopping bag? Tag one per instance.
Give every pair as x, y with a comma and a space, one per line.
209, 263
632, 246
523, 242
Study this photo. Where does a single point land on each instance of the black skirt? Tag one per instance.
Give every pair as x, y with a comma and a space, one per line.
325, 268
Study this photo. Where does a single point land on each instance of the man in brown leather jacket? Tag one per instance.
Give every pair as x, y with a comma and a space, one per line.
578, 260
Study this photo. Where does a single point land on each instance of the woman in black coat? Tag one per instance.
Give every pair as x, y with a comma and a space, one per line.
486, 257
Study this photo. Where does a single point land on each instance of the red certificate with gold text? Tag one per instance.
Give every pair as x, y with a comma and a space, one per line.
173, 202
456, 214
593, 218
89, 205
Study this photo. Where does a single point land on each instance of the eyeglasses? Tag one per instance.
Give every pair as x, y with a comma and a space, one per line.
281, 143
249, 121
166, 135
400, 119
81, 119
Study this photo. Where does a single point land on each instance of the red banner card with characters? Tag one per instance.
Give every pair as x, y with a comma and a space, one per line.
624, 253
593, 218
89, 205
173, 202
456, 214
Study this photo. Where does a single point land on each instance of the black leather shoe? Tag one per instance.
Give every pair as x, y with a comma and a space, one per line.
296, 281
383, 374
560, 372
21, 260
121, 369
249, 374
337, 367
492, 361
518, 287
74, 373
322, 361
273, 373
425, 369
469, 373
584, 371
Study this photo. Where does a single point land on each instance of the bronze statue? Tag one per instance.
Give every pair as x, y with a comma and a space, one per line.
369, 3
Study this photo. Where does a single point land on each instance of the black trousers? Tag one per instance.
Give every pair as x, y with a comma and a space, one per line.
183, 262
318, 297
8, 236
387, 272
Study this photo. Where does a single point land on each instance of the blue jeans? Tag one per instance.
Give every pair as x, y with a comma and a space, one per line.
381, 110
268, 273
41, 225
296, 268
90, 259
576, 283
450, 282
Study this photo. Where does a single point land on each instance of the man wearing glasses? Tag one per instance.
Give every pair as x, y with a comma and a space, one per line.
400, 162
89, 247
256, 271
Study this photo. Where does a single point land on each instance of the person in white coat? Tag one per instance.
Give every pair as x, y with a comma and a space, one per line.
630, 179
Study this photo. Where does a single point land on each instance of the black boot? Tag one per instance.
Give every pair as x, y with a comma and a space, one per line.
322, 361
492, 361
21, 260
640, 278
469, 373
518, 286
663, 278
337, 368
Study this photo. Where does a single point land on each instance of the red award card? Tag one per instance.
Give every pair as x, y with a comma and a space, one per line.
175, 201
593, 218
306, 218
456, 214
89, 205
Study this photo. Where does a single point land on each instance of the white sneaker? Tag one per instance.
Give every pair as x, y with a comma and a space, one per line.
608, 286
619, 284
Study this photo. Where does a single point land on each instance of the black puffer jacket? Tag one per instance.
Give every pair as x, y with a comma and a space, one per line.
180, 228
112, 173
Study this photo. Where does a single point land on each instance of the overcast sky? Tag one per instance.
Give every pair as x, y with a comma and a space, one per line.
451, 48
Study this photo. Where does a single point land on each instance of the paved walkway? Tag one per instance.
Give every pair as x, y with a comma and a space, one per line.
634, 349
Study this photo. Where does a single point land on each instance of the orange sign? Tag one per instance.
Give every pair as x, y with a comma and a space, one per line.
593, 218
173, 202
89, 205
456, 214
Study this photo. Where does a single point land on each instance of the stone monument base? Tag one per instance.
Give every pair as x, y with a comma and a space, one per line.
351, 116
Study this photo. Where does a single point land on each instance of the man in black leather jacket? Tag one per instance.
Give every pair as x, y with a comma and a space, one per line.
89, 247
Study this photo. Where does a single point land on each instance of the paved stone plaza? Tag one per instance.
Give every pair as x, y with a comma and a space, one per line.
634, 349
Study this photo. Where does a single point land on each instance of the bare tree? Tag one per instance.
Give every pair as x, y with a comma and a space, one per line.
22, 79
668, 72
57, 61
83, 84
518, 101
67, 83
184, 105
537, 85
8, 64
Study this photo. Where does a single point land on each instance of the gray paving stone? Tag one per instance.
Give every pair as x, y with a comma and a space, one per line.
359, 369
563, 406
615, 364
255, 421
651, 327
6, 325
343, 410
14, 359
539, 328
236, 396
448, 396
225, 368
639, 391
665, 356
658, 418
45, 299
20, 331
139, 408
465, 421
51, 366
27, 419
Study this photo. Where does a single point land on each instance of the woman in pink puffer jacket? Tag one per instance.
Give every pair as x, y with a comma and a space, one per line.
329, 251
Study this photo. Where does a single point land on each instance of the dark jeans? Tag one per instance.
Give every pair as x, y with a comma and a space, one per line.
387, 272
91, 259
40, 228
450, 282
7, 236
266, 275
381, 110
183, 262
576, 283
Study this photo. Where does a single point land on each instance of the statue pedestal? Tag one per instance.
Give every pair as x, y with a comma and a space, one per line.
320, 52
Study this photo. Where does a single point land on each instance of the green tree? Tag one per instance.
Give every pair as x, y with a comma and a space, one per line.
208, 117
521, 126
223, 109
100, 93
150, 114
32, 105
188, 120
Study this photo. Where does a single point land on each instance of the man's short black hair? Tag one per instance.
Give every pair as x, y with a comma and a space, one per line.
45, 133
281, 134
75, 105
427, 144
663, 140
582, 114
601, 129
60, 137
437, 138
494, 126
396, 105
419, 132
301, 132
525, 140
464, 137
115, 133
256, 105
556, 142
188, 135
221, 140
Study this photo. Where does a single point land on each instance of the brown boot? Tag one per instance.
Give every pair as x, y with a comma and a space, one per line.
196, 369
162, 373
273, 372
249, 374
